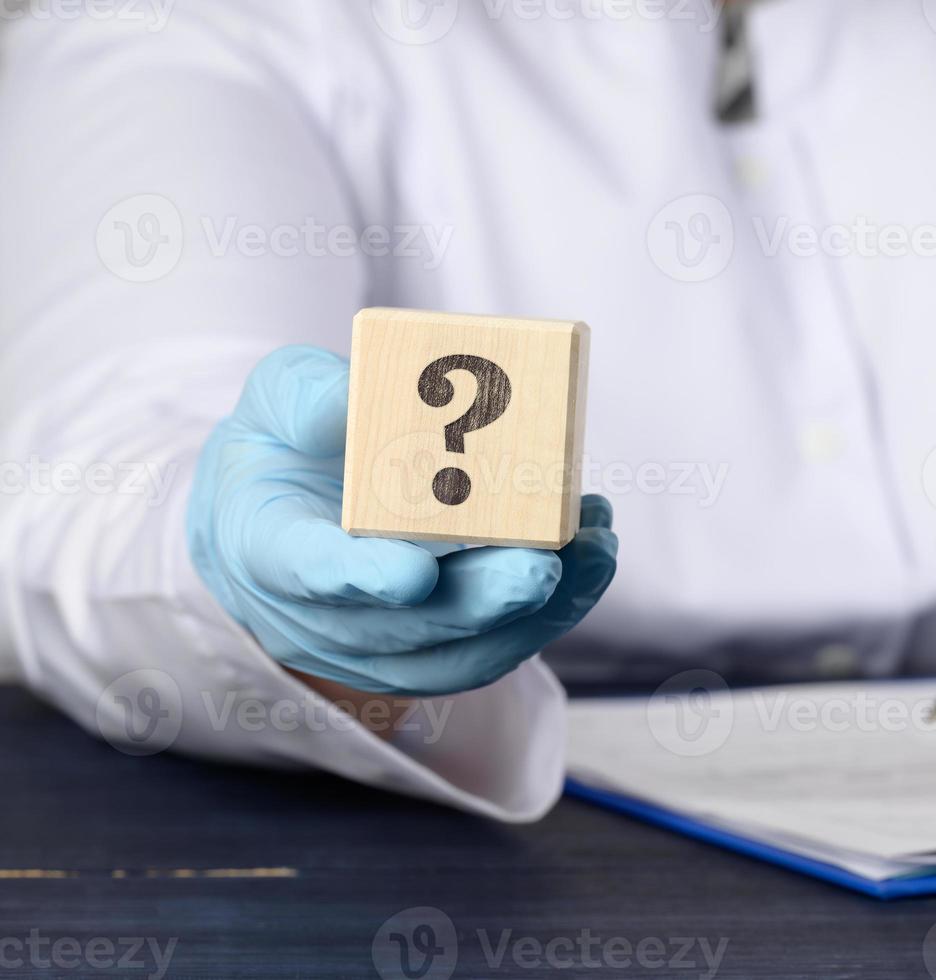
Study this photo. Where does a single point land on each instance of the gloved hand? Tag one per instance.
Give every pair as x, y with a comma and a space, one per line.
373, 614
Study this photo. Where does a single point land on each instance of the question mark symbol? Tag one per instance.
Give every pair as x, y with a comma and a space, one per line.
451, 485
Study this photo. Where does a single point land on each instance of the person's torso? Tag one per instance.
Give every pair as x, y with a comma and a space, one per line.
762, 295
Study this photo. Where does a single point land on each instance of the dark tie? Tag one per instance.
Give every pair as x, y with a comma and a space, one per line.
734, 101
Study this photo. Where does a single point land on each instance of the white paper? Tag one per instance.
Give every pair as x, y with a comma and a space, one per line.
845, 773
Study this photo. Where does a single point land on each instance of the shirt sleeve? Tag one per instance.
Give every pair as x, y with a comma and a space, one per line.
174, 210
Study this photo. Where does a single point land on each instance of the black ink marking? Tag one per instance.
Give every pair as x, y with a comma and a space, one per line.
452, 486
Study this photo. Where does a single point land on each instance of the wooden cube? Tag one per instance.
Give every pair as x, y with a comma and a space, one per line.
465, 428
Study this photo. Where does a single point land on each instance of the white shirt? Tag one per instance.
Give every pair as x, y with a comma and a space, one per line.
762, 405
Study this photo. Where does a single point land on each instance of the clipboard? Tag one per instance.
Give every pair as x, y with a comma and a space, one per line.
905, 886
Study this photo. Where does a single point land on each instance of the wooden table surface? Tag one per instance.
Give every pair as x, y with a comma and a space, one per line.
256, 874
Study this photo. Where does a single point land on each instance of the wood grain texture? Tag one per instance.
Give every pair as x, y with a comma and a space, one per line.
360, 856
465, 428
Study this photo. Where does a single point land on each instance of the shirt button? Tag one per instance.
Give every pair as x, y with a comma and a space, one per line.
836, 660
821, 442
751, 171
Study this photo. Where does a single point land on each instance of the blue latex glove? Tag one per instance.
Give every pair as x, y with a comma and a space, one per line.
373, 614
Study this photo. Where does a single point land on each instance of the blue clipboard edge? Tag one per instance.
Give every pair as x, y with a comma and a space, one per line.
891, 888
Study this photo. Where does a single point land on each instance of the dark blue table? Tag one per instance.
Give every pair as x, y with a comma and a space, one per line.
97, 847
